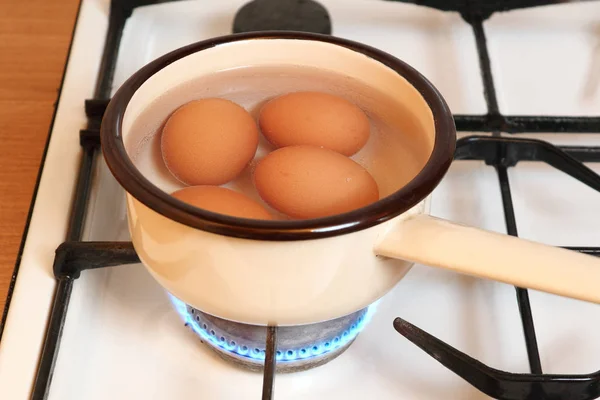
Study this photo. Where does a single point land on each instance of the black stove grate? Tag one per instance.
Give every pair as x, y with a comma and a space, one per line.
501, 153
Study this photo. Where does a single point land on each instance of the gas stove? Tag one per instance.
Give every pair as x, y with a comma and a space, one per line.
85, 320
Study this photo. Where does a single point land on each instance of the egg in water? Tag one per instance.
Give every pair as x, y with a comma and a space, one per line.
209, 141
306, 182
223, 201
315, 118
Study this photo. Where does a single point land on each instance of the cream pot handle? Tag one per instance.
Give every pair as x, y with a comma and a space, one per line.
439, 243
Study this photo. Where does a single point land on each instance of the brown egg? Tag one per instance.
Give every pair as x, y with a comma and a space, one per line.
223, 201
311, 182
209, 141
313, 118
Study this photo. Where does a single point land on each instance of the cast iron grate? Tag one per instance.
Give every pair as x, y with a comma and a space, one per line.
501, 153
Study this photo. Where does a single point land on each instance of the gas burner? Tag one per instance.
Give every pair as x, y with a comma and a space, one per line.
300, 347
287, 15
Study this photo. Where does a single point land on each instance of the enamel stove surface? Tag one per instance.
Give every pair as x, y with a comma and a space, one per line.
123, 339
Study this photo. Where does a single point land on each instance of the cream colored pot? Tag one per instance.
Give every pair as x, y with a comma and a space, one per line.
298, 272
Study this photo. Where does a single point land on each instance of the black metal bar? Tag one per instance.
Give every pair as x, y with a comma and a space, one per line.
500, 384
582, 153
527, 124
567, 164
565, 158
489, 91
533, 352
95, 108
64, 286
89, 138
485, 8
522, 295
74, 257
116, 22
592, 251
82, 191
270, 363
120, 10
54, 331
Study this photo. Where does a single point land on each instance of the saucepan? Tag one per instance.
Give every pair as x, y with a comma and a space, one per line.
290, 272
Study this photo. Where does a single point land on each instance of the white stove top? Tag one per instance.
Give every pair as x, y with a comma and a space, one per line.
124, 340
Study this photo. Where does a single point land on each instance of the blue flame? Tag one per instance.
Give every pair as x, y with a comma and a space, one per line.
318, 349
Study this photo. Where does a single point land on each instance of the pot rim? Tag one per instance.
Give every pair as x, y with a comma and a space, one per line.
133, 181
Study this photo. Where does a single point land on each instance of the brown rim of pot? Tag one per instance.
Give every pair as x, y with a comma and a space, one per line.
132, 180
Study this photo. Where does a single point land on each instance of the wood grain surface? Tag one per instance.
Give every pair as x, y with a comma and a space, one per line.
34, 40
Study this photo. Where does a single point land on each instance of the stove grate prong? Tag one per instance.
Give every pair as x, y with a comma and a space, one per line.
270, 363
484, 9
533, 352
74, 257
526, 124
509, 151
499, 384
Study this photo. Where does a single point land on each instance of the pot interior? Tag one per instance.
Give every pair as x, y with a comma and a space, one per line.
251, 72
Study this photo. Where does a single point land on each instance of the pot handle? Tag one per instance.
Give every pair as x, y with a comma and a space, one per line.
439, 243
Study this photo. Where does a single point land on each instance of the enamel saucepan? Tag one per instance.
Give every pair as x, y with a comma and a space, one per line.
298, 272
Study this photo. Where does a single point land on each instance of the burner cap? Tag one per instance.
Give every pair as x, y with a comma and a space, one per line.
299, 347
287, 15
